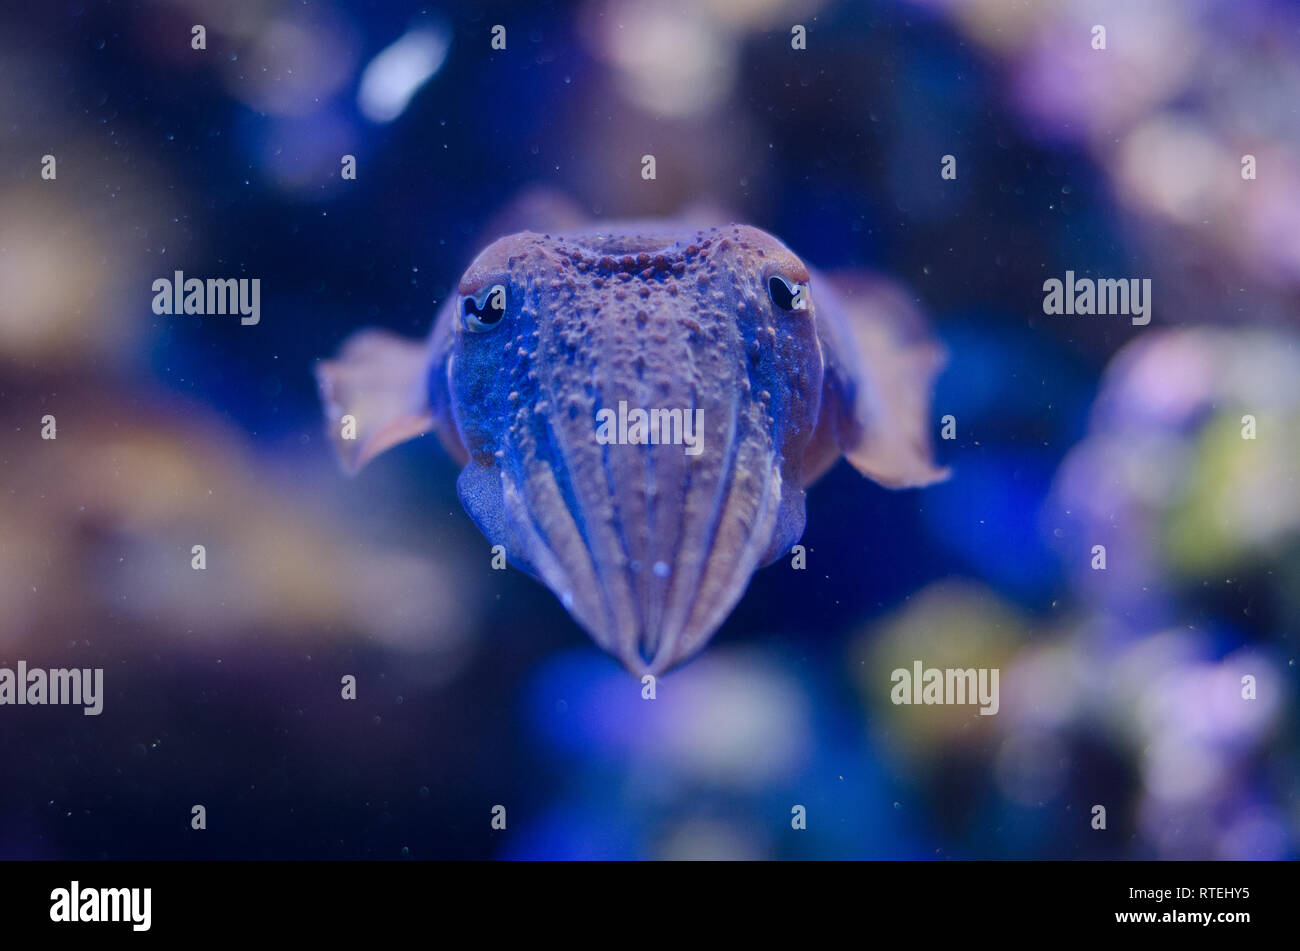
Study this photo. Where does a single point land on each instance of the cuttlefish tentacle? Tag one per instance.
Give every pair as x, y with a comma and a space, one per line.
648, 544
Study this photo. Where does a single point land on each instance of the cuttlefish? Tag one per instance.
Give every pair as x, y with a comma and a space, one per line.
553, 375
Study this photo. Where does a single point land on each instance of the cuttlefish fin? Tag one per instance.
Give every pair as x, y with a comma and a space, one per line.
880, 366
375, 395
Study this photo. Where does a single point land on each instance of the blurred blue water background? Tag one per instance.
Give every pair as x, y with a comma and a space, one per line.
1121, 688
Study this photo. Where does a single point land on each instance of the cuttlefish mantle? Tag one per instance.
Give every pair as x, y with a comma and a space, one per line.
564, 375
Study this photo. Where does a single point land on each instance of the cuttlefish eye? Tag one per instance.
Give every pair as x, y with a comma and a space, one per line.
484, 311
787, 295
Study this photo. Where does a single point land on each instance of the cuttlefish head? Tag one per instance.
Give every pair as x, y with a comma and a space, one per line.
638, 414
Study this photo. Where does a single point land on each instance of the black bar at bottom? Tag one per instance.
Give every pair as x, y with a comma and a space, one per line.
330, 900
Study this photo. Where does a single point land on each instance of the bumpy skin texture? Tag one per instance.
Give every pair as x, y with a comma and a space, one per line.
647, 546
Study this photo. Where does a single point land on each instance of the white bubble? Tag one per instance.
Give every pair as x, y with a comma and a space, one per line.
394, 76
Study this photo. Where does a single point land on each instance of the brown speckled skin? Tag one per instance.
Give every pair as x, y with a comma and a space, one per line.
648, 547
658, 321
